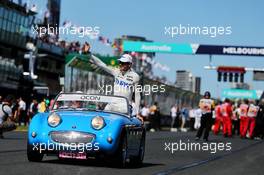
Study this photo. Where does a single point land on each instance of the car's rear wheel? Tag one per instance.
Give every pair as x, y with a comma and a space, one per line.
138, 160
122, 151
33, 154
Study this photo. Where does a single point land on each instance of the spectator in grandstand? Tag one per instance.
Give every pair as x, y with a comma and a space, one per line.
86, 48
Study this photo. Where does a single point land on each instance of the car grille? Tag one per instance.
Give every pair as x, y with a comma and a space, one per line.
68, 137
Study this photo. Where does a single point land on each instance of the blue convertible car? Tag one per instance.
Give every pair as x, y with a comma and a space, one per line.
82, 126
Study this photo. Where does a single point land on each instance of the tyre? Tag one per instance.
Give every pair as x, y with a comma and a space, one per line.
122, 154
138, 160
33, 155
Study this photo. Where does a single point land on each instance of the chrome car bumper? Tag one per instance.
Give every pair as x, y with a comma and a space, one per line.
69, 137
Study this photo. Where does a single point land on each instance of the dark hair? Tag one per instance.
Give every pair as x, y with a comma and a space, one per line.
246, 101
9, 98
218, 102
207, 93
227, 100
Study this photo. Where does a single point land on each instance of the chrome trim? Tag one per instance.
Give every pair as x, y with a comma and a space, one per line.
68, 137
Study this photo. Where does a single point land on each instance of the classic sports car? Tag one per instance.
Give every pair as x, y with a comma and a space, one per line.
82, 126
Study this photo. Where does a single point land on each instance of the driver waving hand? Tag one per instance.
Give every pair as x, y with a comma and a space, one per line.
126, 79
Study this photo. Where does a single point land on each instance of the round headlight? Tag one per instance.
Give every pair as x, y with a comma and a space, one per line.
98, 122
54, 120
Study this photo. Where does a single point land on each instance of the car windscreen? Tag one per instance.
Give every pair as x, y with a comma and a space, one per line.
91, 102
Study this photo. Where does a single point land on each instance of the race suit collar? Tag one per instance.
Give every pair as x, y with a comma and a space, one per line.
123, 73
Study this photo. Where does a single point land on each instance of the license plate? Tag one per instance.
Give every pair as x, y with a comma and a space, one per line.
72, 155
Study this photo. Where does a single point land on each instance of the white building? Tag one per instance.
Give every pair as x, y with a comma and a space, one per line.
185, 80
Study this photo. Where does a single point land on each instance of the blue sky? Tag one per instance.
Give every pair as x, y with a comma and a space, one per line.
148, 18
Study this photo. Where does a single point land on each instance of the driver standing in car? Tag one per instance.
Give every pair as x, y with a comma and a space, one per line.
126, 79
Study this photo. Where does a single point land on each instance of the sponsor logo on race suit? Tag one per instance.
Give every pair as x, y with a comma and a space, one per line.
122, 83
243, 110
206, 105
253, 110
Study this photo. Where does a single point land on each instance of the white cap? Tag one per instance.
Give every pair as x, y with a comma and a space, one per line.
126, 58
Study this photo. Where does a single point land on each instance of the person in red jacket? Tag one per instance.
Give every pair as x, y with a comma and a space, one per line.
252, 113
243, 111
226, 111
218, 117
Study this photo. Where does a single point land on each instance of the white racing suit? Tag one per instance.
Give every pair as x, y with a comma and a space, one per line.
125, 84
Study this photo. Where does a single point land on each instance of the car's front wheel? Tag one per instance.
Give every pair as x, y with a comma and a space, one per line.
33, 154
